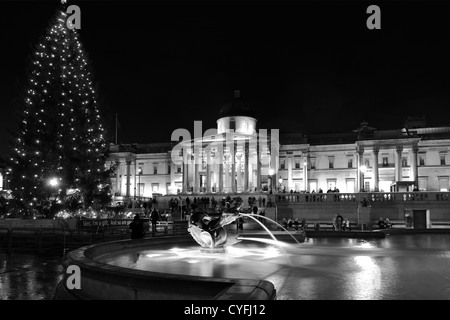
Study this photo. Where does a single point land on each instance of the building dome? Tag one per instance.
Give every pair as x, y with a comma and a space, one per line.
236, 116
237, 107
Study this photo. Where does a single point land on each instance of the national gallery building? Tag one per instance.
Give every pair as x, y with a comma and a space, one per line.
240, 158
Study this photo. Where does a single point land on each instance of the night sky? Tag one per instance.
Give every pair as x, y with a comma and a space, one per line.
310, 67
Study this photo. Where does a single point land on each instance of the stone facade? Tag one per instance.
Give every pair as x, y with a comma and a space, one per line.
366, 159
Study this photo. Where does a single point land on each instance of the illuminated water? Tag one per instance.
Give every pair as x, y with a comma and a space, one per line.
396, 267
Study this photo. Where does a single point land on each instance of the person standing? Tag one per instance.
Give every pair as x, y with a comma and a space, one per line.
346, 225
339, 221
296, 224
154, 217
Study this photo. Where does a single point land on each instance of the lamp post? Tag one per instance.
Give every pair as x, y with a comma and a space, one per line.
363, 170
271, 173
280, 182
305, 174
139, 184
53, 182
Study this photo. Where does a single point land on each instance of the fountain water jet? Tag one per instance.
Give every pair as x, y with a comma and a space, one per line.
252, 215
210, 233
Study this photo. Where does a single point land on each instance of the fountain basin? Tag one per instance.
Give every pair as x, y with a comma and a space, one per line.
101, 281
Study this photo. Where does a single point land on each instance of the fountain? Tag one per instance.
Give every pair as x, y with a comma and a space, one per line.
258, 266
177, 268
209, 232
163, 253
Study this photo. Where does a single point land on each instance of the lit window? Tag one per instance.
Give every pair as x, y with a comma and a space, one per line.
421, 160
350, 163
313, 163
442, 156
331, 162
404, 162
297, 163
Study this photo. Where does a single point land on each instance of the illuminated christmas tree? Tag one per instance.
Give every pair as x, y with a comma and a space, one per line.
60, 149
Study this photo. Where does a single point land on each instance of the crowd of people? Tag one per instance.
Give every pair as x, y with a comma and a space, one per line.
295, 224
341, 224
384, 223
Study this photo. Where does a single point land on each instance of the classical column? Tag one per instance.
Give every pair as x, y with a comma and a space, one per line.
118, 182
197, 159
128, 162
192, 171
172, 174
376, 178
185, 172
258, 167
360, 151
220, 172
239, 179
290, 182
233, 167
246, 168
208, 171
134, 178
414, 169
398, 163
305, 171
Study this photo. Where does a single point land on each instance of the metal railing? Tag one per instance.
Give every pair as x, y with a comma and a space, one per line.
370, 196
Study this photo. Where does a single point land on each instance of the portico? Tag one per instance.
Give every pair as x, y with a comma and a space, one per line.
228, 162
374, 147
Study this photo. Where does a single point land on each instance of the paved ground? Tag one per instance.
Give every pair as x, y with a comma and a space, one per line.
29, 276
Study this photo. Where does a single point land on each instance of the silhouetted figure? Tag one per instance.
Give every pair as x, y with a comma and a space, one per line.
346, 225
387, 223
381, 224
154, 217
285, 223
365, 202
137, 228
338, 222
296, 223
290, 223
304, 224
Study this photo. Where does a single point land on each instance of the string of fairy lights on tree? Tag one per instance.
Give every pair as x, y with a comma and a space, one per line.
61, 134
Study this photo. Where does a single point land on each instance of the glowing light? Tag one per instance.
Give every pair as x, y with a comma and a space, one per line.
53, 182
152, 255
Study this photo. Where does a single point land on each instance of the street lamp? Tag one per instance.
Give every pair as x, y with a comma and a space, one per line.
53, 182
363, 170
271, 173
305, 174
280, 181
139, 184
